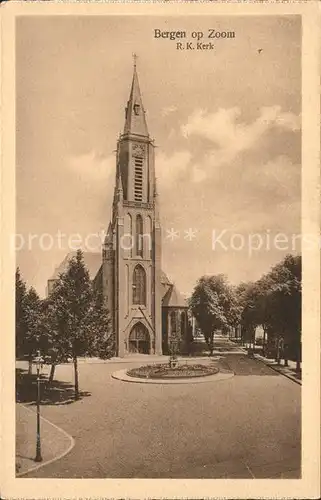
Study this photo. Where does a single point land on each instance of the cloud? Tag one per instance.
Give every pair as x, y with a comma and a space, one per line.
228, 136
225, 130
168, 110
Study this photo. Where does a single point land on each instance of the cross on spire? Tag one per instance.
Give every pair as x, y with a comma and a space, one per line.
135, 57
135, 122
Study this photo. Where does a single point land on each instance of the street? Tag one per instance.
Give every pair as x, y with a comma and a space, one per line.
243, 427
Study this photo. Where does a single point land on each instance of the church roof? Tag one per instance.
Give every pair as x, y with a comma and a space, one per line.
135, 114
165, 280
165, 284
92, 262
173, 298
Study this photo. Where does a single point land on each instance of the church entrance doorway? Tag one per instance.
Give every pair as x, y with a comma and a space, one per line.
139, 341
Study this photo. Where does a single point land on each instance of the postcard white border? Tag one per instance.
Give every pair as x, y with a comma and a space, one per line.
308, 486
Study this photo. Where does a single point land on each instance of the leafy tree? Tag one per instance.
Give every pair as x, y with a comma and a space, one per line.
264, 313
189, 338
77, 319
250, 314
57, 345
69, 304
284, 303
31, 333
234, 310
32, 319
101, 337
21, 292
210, 303
274, 302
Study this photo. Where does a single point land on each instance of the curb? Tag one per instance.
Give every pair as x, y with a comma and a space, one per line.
58, 457
276, 369
122, 375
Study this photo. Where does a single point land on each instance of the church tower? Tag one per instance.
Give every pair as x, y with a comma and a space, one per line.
131, 270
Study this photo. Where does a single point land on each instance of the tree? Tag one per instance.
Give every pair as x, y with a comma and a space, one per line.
77, 319
234, 309
32, 319
21, 292
57, 345
189, 337
101, 338
31, 332
211, 305
274, 301
284, 304
70, 302
247, 298
263, 312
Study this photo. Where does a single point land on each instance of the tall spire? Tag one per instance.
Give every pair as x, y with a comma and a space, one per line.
135, 122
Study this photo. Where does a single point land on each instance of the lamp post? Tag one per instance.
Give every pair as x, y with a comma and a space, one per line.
38, 360
173, 351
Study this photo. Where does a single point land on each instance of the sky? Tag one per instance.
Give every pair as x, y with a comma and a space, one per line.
226, 123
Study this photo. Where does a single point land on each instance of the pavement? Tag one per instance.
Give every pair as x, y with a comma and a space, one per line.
288, 371
55, 442
248, 426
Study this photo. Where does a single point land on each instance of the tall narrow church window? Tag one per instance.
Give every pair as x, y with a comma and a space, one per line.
138, 181
149, 231
139, 285
139, 236
131, 235
128, 239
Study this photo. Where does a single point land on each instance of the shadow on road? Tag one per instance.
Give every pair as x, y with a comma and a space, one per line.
201, 349
58, 393
244, 365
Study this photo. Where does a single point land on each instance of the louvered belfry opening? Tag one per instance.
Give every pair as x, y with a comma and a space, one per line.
138, 183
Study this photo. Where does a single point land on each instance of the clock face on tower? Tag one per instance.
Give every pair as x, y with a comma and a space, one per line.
138, 150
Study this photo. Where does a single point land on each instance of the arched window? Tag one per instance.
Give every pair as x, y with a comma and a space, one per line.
173, 322
149, 231
139, 236
139, 286
127, 239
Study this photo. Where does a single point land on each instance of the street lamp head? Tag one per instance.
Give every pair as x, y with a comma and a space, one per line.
38, 360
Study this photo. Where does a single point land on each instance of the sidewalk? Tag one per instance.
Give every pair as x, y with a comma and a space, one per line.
55, 442
287, 371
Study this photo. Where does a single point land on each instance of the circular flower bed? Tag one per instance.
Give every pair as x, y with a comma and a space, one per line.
165, 371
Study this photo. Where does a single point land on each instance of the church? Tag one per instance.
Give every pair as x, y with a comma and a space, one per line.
145, 306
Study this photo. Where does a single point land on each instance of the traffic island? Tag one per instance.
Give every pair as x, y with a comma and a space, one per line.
55, 442
166, 371
180, 374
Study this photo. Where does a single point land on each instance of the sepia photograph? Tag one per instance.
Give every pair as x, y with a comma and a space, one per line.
159, 249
